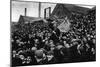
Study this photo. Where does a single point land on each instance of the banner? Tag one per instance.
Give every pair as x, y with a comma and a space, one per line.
64, 26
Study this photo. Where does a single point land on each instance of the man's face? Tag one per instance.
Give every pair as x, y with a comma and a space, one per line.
64, 37
64, 42
51, 41
14, 53
89, 38
52, 48
12, 40
21, 57
46, 42
94, 41
36, 40
84, 39
49, 34
17, 40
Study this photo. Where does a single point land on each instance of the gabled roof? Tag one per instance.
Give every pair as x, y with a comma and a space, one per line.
66, 9
75, 8
60, 10
28, 19
94, 8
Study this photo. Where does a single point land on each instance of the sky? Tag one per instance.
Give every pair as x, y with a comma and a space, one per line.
18, 8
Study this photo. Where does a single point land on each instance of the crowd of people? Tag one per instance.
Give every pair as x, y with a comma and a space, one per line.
42, 43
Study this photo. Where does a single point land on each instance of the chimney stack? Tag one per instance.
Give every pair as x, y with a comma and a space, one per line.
49, 11
25, 11
39, 9
47, 14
